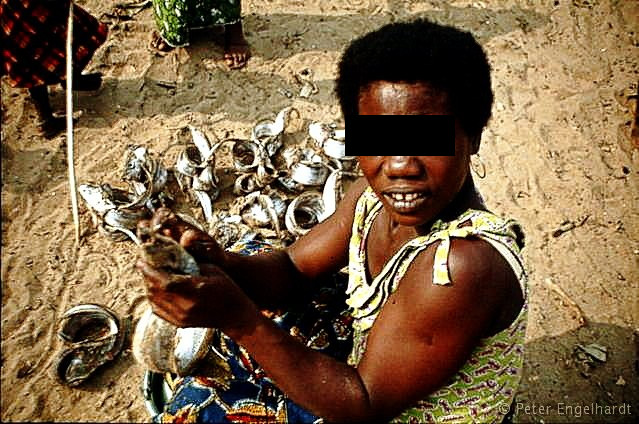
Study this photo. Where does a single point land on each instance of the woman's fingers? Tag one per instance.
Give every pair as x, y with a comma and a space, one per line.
163, 309
159, 282
207, 300
192, 236
197, 242
163, 217
167, 223
143, 230
204, 249
171, 295
155, 279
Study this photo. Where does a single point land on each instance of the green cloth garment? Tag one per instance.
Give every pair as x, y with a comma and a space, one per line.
175, 18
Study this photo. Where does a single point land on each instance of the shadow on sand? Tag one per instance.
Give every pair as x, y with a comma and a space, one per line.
562, 384
272, 36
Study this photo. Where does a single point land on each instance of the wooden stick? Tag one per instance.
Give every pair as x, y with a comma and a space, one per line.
571, 303
70, 151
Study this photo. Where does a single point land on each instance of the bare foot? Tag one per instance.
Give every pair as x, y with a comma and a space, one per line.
53, 126
158, 44
236, 48
50, 125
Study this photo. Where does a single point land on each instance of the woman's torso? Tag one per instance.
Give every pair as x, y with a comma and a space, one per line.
490, 375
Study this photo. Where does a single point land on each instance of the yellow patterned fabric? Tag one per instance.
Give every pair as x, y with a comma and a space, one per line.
489, 378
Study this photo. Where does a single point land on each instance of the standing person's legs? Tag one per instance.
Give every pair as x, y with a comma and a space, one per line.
49, 124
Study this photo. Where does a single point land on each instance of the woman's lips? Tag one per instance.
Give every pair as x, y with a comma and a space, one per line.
405, 202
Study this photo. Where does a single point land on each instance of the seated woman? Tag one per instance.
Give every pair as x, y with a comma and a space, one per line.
436, 287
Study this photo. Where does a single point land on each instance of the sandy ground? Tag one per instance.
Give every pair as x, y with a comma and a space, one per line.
558, 150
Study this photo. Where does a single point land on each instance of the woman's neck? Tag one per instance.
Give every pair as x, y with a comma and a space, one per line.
467, 198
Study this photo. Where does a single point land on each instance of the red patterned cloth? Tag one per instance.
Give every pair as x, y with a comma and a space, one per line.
33, 40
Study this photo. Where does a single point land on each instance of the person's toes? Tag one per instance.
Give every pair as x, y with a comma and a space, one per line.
233, 61
237, 56
158, 44
229, 59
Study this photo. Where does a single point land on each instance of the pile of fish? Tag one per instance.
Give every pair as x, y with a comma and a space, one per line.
271, 204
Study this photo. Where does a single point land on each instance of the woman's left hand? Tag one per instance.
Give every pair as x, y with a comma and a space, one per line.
211, 299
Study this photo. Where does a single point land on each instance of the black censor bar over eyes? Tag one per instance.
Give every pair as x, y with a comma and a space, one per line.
414, 135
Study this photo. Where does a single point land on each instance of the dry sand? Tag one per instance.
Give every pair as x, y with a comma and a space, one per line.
557, 150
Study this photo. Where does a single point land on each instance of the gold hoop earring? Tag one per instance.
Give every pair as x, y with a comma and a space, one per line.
477, 165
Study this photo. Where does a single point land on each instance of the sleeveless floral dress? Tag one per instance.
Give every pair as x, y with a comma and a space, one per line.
489, 378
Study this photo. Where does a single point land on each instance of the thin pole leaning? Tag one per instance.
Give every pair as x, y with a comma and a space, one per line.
70, 151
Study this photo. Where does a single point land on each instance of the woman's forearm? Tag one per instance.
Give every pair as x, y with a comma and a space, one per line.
270, 279
325, 386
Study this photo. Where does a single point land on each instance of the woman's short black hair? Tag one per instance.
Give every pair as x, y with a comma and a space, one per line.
445, 57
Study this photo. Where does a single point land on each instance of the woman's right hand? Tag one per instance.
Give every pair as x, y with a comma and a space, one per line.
211, 299
198, 243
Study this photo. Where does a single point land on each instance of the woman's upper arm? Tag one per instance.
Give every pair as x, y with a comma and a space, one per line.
426, 332
325, 248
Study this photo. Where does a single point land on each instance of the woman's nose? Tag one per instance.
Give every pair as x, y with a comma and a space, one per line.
403, 167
